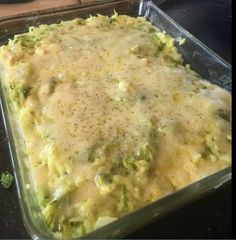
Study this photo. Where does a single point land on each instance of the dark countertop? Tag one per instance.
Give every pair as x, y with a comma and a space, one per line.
209, 217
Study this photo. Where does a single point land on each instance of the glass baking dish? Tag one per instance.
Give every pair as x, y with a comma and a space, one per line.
205, 62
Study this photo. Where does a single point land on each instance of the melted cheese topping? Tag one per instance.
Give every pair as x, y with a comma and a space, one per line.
111, 118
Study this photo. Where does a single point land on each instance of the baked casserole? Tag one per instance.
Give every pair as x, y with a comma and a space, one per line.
111, 117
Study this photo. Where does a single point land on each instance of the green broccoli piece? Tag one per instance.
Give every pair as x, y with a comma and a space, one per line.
142, 161
50, 215
130, 164
145, 153
125, 203
212, 150
6, 179
29, 40
43, 198
104, 182
19, 93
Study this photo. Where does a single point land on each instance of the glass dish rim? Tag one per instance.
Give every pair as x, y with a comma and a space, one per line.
225, 173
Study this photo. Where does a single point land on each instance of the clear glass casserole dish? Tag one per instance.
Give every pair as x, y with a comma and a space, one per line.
201, 59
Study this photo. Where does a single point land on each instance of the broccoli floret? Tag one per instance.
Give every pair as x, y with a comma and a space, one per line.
104, 182
124, 203
50, 215
140, 163
43, 198
212, 149
29, 40
20, 92
6, 179
145, 153
129, 164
